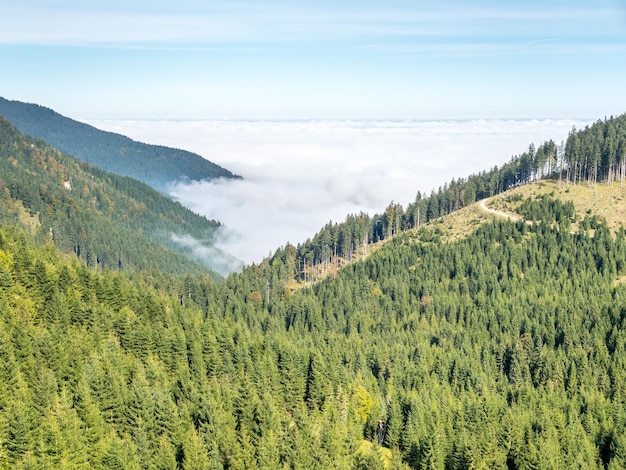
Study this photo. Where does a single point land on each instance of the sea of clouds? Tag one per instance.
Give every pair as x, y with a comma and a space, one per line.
299, 175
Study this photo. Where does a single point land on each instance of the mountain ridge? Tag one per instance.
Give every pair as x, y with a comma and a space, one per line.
595, 153
155, 165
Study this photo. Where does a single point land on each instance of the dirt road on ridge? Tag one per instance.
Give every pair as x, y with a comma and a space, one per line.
483, 206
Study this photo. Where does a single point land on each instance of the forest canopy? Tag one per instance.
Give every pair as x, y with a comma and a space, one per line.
505, 348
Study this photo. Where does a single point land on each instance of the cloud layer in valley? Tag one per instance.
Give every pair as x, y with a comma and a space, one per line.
299, 175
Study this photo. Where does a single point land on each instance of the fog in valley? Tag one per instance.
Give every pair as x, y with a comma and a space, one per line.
299, 175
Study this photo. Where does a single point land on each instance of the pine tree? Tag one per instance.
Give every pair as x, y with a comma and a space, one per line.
165, 455
19, 431
195, 452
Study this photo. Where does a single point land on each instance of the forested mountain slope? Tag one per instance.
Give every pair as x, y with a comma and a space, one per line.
109, 221
503, 349
498, 345
155, 165
594, 154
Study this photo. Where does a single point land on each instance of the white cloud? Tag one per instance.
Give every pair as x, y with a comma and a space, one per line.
203, 24
209, 253
298, 175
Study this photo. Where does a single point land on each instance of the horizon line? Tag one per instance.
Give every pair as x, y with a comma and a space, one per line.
343, 119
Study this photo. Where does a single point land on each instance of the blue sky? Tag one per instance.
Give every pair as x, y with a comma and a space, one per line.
316, 59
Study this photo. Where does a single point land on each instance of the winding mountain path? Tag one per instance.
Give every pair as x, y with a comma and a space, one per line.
483, 206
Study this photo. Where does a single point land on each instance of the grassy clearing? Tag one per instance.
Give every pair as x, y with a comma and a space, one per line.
603, 200
461, 223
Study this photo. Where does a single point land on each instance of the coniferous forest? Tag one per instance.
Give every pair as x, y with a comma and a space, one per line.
109, 221
501, 349
594, 154
155, 165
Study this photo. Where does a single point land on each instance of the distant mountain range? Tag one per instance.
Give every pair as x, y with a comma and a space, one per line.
155, 165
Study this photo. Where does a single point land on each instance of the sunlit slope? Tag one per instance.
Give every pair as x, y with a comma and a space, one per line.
601, 199
471, 341
474, 338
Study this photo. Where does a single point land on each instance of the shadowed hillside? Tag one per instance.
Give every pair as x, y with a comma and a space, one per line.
110, 221
155, 165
